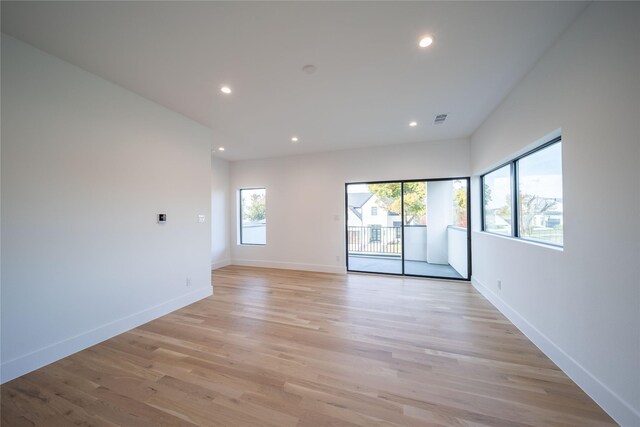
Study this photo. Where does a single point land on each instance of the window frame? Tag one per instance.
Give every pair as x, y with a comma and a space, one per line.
515, 190
376, 233
240, 190
513, 198
469, 228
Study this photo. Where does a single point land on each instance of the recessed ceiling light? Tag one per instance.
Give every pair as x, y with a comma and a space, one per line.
426, 41
413, 124
220, 148
294, 139
225, 89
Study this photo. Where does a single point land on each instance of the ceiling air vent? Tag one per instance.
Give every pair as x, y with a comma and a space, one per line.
440, 118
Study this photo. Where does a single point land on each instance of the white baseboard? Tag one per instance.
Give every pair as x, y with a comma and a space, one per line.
30, 362
619, 409
219, 264
320, 268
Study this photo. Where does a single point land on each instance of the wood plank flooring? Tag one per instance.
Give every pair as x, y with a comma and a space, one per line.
288, 348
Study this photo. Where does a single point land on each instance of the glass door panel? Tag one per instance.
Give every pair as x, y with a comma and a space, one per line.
435, 228
415, 226
374, 234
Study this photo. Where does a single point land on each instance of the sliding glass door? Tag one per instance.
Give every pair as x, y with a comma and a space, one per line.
415, 228
374, 234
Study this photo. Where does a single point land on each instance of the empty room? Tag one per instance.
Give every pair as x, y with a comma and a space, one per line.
320, 213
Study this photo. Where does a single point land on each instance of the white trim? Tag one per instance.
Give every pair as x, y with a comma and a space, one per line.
620, 410
219, 264
291, 266
36, 359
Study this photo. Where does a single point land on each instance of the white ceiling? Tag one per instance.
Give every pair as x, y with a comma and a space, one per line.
371, 78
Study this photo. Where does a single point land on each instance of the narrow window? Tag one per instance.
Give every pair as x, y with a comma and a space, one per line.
375, 232
497, 198
374, 210
253, 216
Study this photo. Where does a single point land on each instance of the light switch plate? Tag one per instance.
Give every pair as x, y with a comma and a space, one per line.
201, 219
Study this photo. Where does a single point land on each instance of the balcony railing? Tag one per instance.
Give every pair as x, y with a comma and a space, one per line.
375, 240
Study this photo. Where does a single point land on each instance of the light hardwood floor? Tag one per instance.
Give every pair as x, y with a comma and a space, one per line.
287, 348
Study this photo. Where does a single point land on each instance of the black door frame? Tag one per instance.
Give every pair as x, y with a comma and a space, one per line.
402, 182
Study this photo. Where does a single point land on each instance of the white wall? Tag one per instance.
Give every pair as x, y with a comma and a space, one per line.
439, 217
220, 202
415, 243
86, 166
305, 197
581, 305
457, 249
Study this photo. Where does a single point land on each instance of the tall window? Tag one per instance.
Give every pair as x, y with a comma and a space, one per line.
533, 182
375, 232
374, 210
540, 195
253, 216
497, 197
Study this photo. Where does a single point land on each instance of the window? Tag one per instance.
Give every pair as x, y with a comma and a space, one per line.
533, 182
374, 210
540, 195
497, 197
253, 216
375, 233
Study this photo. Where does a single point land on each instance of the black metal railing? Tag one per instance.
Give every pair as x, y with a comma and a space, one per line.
375, 239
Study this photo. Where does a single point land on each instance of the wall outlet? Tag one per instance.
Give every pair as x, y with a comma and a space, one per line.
188, 281
338, 258
499, 285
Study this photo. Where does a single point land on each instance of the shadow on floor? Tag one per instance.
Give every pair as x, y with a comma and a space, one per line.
374, 264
